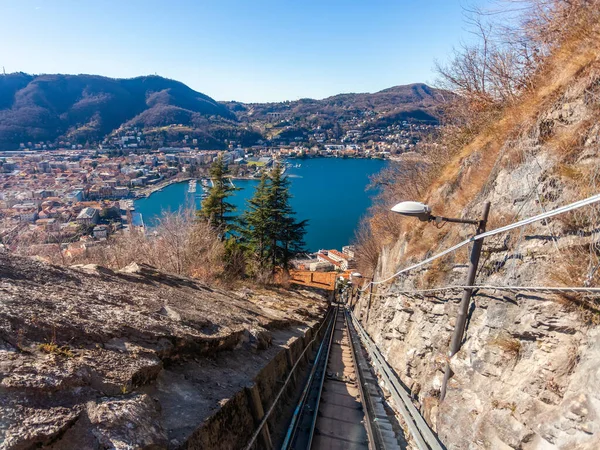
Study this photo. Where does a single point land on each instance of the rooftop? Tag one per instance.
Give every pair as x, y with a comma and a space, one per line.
87, 213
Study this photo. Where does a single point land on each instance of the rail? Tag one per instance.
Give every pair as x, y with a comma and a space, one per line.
373, 433
590, 291
334, 404
422, 434
299, 413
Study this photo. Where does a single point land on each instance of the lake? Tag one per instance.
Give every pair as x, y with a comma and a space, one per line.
329, 192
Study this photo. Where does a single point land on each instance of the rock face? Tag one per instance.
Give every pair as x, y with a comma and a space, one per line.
528, 373
92, 359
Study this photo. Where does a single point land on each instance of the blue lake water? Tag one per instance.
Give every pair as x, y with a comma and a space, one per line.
329, 192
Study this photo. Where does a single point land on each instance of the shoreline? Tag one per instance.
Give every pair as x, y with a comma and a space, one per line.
304, 189
149, 190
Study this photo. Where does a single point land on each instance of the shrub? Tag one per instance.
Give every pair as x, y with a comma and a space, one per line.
179, 244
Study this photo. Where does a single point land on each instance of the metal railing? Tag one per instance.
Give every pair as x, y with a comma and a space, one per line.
423, 436
521, 223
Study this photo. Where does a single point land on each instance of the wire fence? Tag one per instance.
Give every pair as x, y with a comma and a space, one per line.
590, 291
520, 224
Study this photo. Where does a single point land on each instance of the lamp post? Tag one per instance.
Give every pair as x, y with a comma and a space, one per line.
423, 213
353, 276
339, 285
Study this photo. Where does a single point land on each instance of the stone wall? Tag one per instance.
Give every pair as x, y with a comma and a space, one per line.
235, 422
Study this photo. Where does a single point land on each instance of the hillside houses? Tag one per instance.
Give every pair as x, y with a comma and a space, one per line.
327, 260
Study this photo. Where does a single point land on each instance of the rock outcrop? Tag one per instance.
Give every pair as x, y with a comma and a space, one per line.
528, 373
91, 358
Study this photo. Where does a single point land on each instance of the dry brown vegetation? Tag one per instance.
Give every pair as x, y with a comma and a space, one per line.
54, 349
507, 344
519, 68
179, 244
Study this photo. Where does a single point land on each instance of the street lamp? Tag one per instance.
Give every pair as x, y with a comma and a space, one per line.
353, 292
423, 212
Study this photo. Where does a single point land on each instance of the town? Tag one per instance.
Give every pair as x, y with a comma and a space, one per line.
74, 198
67, 197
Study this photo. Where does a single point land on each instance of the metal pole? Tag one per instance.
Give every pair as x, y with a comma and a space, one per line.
370, 298
449, 219
463, 309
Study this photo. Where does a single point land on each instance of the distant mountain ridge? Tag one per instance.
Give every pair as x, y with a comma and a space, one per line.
89, 108
374, 115
410, 97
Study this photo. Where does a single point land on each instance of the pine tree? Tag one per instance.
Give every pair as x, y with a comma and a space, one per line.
272, 232
286, 234
256, 220
215, 208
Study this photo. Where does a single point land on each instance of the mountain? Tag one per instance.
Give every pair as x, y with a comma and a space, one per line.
369, 113
83, 108
408, 98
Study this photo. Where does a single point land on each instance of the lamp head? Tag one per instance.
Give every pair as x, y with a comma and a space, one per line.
413, 209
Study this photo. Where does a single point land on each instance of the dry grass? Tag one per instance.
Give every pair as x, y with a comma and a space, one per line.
460, 170
570, 172
54, 349
437, 272
579, 266
497, 404
508, 345
570, 59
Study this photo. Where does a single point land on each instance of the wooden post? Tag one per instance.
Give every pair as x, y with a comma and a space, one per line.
258, 413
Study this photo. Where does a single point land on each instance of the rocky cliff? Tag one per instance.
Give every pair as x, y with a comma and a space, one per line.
91, 358
528, 373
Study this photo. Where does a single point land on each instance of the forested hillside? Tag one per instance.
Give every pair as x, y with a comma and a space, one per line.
89, 110
368, 113
83, 108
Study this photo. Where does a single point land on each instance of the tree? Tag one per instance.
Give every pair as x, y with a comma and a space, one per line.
271, 231
215, 208
256, 220
286, 234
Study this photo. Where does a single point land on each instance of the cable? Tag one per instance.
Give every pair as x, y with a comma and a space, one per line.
543, 289
521, 223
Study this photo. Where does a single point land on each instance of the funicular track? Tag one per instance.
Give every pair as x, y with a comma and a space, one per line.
341, 405
331, 413
336, 410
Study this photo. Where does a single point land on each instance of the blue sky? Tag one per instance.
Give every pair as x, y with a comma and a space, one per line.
247, 50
